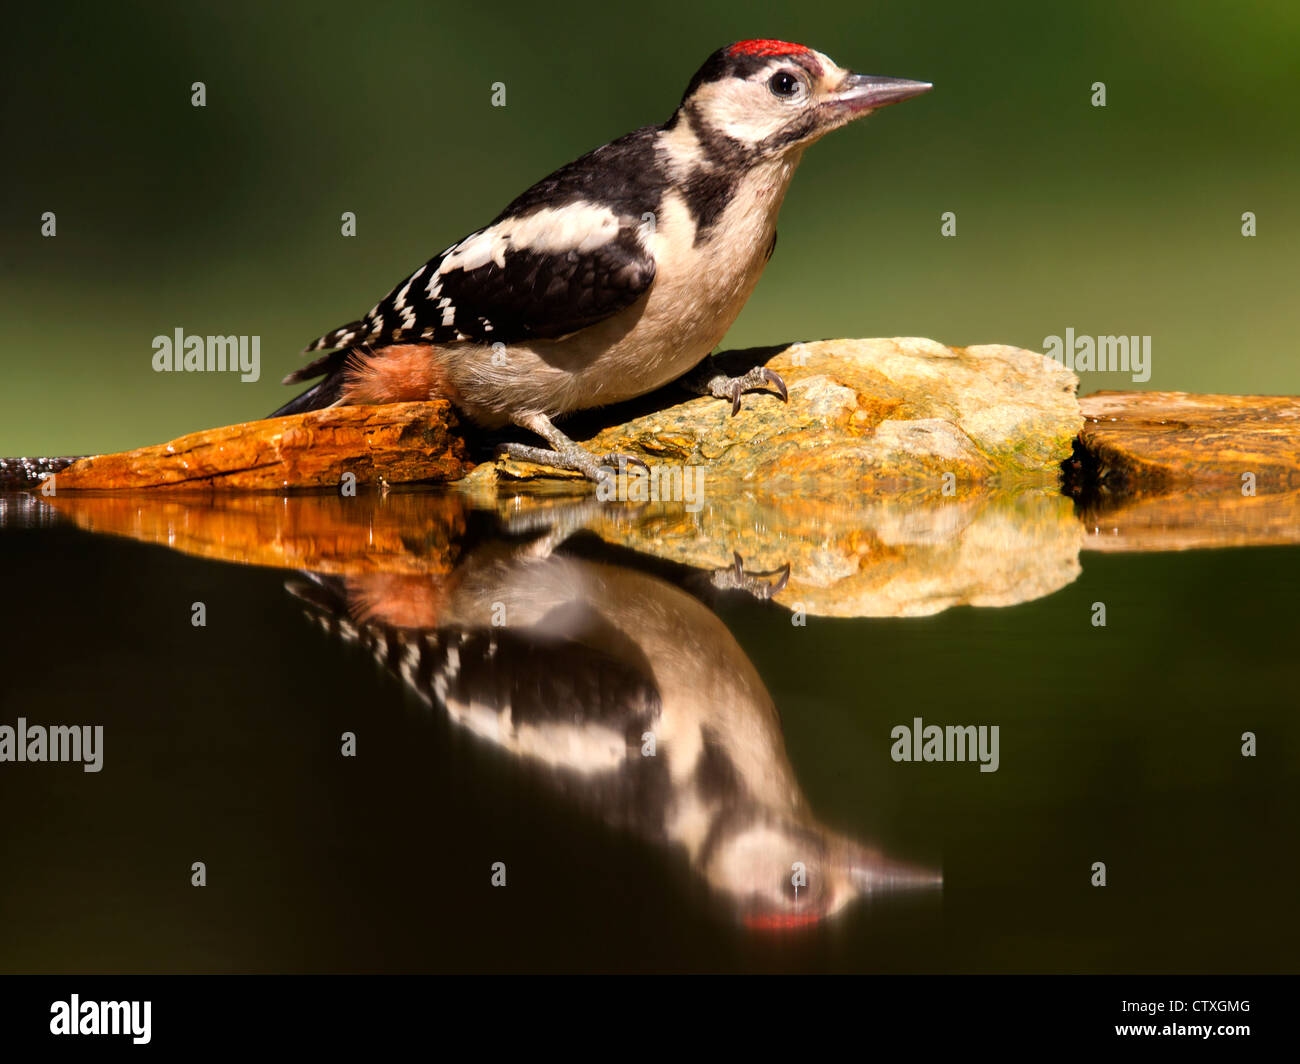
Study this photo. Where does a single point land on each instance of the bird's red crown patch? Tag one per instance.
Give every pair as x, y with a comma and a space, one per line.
766, 47
781, 921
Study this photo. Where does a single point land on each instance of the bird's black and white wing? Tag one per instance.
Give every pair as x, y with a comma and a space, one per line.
551, 697
569, 252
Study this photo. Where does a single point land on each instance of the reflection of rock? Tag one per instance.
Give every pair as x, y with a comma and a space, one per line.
575, 668
874, 557
861, 413
1158, 441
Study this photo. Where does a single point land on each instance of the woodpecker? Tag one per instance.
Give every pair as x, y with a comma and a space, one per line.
615, 275
626, 694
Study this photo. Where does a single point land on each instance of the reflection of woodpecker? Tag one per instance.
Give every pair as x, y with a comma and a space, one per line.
576, 667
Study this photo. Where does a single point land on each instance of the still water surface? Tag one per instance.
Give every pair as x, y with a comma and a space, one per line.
647, 740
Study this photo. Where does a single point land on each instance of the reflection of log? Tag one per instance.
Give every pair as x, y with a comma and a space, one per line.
396, 443
1157, 441
1185, 520
1157, 471
402, 532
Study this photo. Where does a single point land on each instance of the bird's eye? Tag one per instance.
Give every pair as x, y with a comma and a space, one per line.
783, 83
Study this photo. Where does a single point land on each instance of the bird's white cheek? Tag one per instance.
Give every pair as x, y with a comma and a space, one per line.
755, 124
743, 111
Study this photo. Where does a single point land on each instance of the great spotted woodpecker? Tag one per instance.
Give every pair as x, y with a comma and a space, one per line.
614, 275
626, 694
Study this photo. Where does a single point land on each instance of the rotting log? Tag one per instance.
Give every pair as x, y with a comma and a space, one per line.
396, 443
1141, 443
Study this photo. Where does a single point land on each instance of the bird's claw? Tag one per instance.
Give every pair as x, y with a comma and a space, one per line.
774, 379
621, 461
757, 379
734, 577
574, 458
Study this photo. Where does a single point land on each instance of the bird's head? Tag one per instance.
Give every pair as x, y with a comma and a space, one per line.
770, 97
784, 873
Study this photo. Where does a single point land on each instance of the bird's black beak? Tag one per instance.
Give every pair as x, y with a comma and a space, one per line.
860, 94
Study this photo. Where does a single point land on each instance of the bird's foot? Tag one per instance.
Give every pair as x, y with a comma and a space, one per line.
735, 578
574, 458
760, 378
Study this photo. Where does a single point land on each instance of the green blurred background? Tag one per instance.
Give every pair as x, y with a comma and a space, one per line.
226, 219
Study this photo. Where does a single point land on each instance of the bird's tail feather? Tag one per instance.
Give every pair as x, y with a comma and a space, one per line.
325, 392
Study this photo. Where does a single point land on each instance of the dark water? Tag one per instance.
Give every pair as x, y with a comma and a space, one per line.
1119, 744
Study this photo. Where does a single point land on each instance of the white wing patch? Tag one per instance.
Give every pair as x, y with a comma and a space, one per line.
579, 226
580, 748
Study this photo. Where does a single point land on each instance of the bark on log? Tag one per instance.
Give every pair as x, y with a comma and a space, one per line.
1156, 442
396, 443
